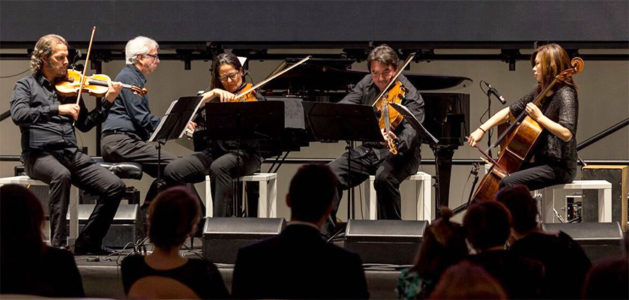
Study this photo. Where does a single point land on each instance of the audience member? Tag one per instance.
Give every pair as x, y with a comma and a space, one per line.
564, 260
487, 225
164, 273
442, 246
28, 265
609, 279
467, 281
298, 263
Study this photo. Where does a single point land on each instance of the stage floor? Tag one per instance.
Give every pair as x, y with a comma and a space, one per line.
102, 278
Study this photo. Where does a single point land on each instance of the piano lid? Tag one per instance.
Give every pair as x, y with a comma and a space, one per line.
335, 75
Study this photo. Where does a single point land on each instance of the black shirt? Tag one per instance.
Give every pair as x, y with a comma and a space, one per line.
130, 112
201, 276
366, 91
561, 107
35, 108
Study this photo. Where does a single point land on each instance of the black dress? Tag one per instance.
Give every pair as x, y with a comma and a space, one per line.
200, 276
53, 275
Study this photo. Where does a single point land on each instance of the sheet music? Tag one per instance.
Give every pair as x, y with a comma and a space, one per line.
172, 125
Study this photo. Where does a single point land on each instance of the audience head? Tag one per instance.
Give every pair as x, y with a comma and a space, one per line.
522, 206
311, 192
443, 245
467, 281
487, 225
173, 216
21, 217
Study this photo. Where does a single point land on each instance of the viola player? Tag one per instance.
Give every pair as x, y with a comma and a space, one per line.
49, 148
374, 158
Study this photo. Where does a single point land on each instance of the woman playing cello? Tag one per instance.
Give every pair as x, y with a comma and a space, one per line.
554, 158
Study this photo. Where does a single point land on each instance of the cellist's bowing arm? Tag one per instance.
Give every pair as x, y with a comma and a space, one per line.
502, 116
553, 127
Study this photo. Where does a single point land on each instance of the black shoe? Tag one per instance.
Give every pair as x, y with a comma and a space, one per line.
80, 250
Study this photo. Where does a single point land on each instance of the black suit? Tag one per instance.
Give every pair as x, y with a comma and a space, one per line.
298, 264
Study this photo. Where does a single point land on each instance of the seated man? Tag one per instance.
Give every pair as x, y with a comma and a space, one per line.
564, 260
487, 225
299, 263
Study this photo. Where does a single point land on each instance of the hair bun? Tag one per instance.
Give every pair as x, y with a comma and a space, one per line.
445, 213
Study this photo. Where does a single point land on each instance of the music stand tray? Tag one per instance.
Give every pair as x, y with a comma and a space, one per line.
179, 114
338, 122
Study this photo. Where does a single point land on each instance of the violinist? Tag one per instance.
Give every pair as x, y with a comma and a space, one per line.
554, 158
130, 122
224, 160
49, 149
374, 158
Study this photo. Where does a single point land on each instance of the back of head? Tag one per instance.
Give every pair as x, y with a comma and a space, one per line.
172, 217
136, 46
311, 192
522, 206
467, 281
442, 246
487, 225
21, 217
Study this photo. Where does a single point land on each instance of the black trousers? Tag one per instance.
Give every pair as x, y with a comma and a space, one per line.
223, 169
60, 169
123, 147
539, 175
390, 170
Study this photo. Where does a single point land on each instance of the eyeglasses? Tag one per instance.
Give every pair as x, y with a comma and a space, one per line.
231, 76
154, 56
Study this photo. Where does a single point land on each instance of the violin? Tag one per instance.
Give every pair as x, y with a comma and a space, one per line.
96, 85
388, 118
249, 96
521, 138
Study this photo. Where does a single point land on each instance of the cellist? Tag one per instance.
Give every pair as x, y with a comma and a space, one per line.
374, 158
554, 159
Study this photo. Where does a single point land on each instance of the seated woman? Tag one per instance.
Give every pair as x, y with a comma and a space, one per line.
28, 265
164, 273
443, 246
223, 160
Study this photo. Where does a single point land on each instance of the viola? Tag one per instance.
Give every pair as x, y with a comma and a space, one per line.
96, 85
520, 140
389, 118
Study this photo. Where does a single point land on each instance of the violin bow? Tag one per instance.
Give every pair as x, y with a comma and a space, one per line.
277, 74
87, 60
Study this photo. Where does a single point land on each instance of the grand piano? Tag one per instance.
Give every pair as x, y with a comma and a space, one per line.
328, 80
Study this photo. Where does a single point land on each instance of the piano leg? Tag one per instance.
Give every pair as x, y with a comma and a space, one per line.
443, 168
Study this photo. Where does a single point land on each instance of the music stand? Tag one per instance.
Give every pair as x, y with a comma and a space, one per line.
330, 122
244, 121
421, 130
173, 123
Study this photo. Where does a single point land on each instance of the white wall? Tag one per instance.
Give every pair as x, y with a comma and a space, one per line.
603, 96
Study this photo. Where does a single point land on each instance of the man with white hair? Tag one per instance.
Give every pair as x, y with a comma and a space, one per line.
130, 122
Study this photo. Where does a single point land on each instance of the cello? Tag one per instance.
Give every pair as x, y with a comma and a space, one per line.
520, 140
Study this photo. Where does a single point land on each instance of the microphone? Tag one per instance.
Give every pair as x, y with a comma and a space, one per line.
492, 90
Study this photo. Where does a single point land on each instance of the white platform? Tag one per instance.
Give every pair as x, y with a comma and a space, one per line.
604, 198
423, 196
267, 201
